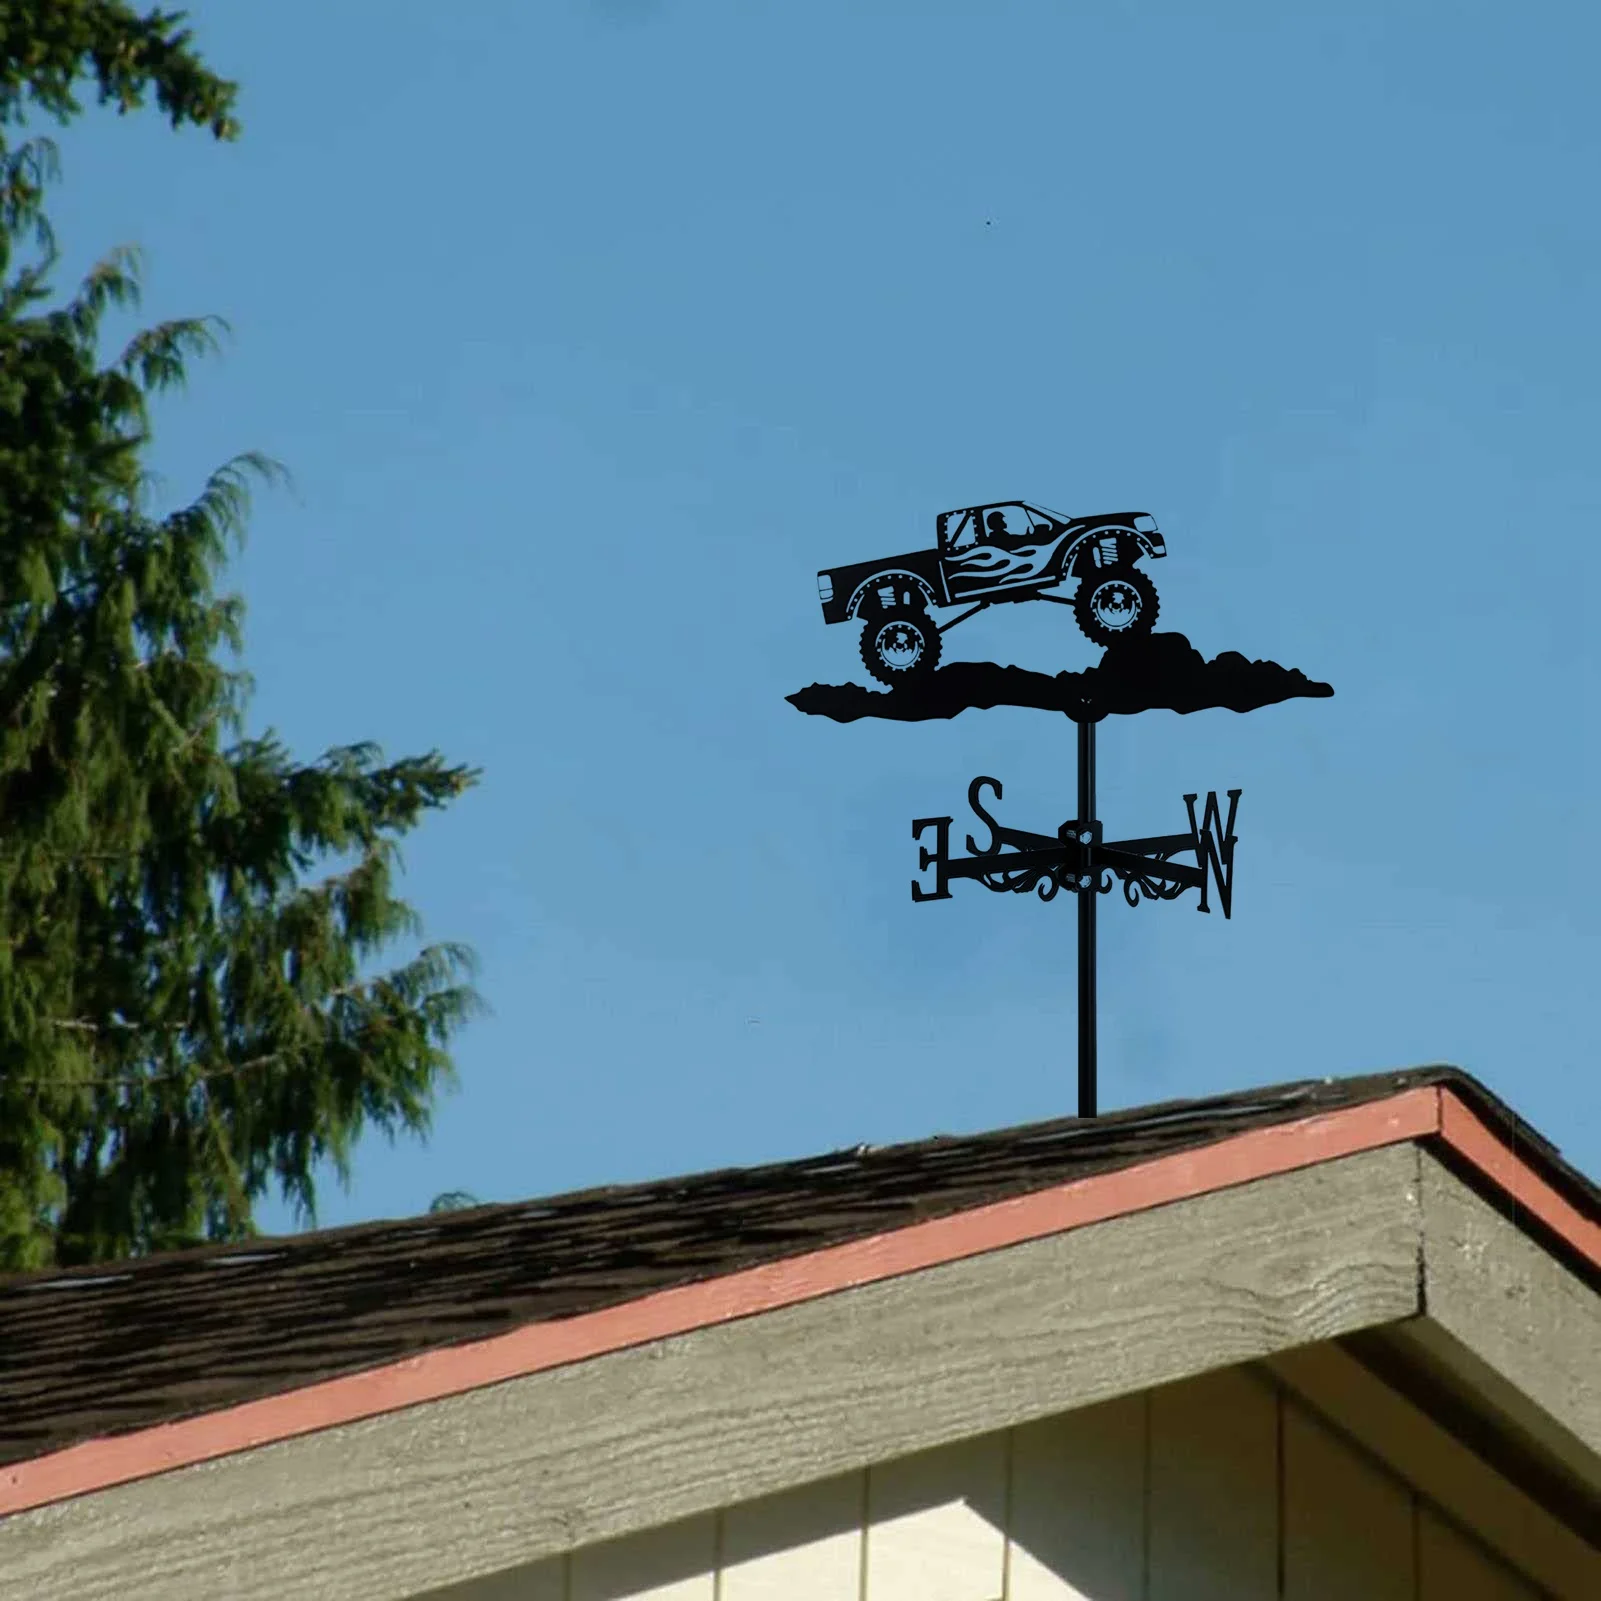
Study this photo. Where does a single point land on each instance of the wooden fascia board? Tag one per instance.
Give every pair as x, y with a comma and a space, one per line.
1259, 1153
1428, 1112
1521, 1330
506, 1474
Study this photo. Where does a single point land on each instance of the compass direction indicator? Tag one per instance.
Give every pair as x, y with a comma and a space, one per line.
1003, 553
1075, 858
1078, 860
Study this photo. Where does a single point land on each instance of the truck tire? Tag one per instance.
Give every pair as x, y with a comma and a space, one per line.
900, 646
1118, 603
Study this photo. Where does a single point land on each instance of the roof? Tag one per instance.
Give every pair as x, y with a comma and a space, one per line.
104, 1350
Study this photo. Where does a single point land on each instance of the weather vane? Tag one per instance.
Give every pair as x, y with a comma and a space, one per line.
1010, 551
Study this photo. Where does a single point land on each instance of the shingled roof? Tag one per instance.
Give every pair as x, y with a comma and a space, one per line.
101, 1351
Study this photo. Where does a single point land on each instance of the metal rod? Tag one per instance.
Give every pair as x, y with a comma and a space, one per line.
1088, 895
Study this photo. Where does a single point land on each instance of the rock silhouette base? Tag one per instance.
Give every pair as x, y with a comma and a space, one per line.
1161, 672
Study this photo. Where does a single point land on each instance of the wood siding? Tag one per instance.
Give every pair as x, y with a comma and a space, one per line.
1224, 1487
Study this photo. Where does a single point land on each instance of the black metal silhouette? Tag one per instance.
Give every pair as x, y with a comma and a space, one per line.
1078, 860
1154, 673
986, 556
1016, 551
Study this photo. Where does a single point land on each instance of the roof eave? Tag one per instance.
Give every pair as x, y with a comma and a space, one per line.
1432, 1113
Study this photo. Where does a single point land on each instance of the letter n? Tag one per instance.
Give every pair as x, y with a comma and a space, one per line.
1214, 846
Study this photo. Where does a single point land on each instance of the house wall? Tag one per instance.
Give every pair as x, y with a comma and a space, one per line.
1224, 1488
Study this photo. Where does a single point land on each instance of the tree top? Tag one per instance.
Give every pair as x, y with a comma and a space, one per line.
48, 46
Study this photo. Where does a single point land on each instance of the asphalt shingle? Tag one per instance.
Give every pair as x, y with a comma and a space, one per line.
104, 1350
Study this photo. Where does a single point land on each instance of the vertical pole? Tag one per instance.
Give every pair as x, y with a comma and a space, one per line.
1088, 895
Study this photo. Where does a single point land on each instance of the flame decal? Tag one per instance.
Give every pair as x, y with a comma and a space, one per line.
988, 565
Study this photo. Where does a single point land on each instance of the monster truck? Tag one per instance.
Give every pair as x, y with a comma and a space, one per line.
984, 556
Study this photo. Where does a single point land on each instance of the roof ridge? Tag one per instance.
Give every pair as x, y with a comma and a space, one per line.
1235, 1106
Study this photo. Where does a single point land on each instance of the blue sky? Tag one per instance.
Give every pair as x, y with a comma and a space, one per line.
590, 331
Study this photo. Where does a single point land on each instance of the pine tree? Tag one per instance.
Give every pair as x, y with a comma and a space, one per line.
189, 1015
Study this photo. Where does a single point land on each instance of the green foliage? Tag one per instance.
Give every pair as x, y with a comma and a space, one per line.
47, 45
187, 1017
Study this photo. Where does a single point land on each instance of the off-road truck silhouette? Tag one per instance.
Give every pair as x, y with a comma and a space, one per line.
985, 555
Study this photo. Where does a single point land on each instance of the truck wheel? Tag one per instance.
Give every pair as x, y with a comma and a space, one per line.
1115, 605
899, 646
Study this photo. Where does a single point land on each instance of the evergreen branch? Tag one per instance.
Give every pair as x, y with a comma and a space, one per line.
24, 175
156, 358
148, 870
175, 1075
82, 1025
461, 1000
47, 45
417, 990
113, 282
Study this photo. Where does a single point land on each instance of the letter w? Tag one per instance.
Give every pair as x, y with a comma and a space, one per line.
1214, 846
